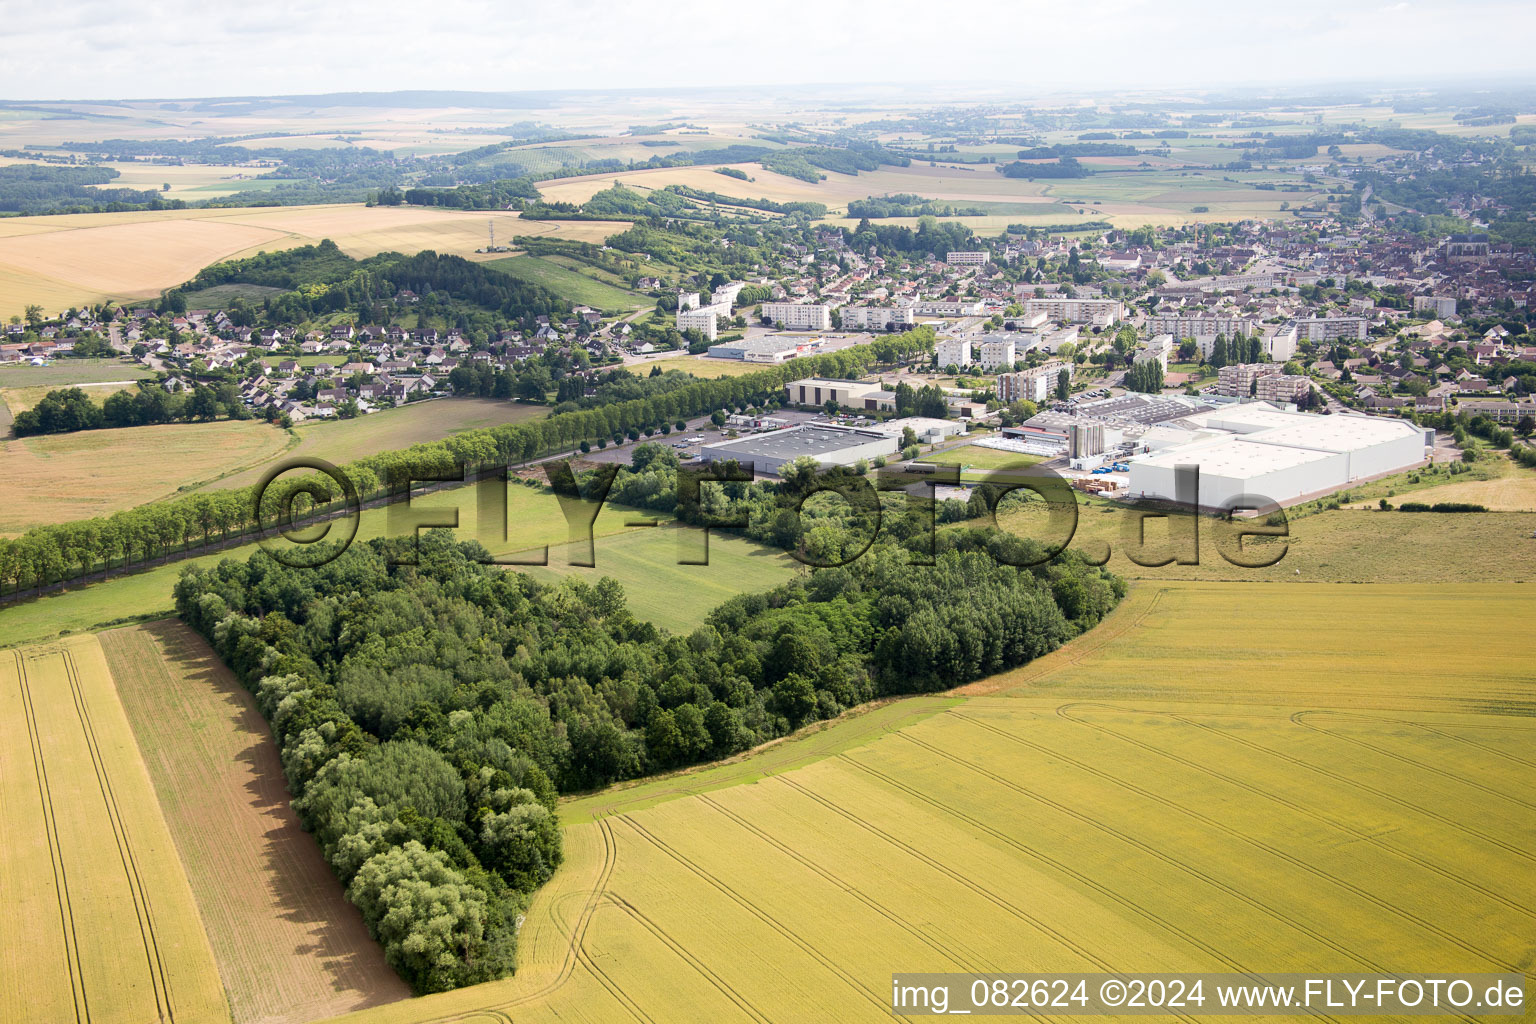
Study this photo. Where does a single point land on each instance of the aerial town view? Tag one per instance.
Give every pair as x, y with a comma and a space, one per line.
646, 519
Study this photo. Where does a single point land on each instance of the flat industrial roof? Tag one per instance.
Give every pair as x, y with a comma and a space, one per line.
797, 441
1235, 458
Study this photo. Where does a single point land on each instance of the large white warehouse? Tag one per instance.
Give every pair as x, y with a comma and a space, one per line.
1258, 451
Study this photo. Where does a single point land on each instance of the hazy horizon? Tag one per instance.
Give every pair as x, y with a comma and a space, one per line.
298, 47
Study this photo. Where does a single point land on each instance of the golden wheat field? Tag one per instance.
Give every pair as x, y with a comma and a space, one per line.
1344, 794
100, 923
58, 261
56, 478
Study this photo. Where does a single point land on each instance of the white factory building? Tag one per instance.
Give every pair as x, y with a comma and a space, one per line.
1257, 451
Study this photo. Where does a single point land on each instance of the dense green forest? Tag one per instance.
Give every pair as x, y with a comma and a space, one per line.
909, 205
322, 279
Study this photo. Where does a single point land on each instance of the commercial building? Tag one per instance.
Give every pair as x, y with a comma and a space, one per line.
1254, 454
876, 318
1098, 312
997, 352
928, 429
828, 445
772, 349
953, 352
849, 394
967, 259
799, 316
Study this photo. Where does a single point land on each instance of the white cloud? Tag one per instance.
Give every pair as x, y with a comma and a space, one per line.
170, 48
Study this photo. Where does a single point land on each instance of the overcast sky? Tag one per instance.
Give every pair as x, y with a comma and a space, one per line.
107, 49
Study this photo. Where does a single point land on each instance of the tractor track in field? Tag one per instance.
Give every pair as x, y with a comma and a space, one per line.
968, 963
1273, 851
142, 909
1353, 831
1052, 863
757, 912
1064, 711
681, 951
1522, 762
573, 954
1154, 852
79, 998
1299, 718
1028, 919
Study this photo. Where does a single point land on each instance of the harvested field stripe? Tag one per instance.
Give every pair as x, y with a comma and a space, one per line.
1064, 710
1357, 833
756, 911
1240, 837
1300, 716
136, 891
60, 873
1174, 862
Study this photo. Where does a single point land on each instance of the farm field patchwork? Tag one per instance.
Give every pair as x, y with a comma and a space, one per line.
289, 947
69, 259
100, 924
1343, 800
54, 478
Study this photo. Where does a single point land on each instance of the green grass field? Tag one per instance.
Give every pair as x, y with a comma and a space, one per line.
569, 284
220, 295
673, 596
534, 519
64, 372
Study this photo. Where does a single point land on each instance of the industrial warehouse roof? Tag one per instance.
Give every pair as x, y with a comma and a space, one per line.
1235, 457
797, 441
1342, 433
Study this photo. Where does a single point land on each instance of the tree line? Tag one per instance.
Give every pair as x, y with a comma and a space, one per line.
64, 551
69, 409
